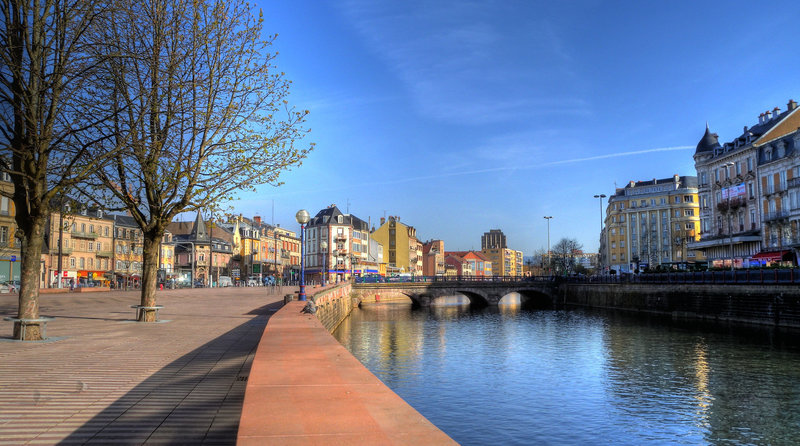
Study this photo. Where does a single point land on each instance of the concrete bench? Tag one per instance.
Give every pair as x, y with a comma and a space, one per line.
40, 321
140, 308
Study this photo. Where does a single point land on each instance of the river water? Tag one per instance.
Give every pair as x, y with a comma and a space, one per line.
509, 376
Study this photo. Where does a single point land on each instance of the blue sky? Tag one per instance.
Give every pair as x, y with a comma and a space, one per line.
461, 116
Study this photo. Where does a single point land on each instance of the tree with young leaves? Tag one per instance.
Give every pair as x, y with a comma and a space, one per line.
49, 106
201, 113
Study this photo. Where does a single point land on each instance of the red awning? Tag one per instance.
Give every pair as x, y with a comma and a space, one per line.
773, 256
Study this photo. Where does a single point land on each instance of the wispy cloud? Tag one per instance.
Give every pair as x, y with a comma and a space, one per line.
462, 64
496, 169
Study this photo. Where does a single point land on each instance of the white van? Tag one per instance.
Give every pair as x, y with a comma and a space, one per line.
225, 281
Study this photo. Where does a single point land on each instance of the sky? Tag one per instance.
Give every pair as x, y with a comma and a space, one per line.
460, 117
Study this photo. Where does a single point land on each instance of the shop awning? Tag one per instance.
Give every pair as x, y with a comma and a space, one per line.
773, 256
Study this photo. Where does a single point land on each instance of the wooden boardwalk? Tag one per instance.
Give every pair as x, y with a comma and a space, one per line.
103, 379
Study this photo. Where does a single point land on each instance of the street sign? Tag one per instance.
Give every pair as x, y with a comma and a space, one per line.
235, 273
13, 258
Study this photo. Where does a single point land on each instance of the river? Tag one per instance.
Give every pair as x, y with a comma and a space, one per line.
510, 376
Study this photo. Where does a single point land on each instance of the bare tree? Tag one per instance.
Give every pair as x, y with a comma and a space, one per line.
202, 114
46, 91
564, 254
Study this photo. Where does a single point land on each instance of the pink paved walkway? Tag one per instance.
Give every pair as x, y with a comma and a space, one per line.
113, 381
307, 389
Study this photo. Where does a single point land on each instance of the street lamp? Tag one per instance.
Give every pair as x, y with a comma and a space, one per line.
728, 166
302, 217
548, 242
323, 245
601, 196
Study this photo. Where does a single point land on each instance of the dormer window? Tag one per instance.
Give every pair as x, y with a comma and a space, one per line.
768, 154
340, 219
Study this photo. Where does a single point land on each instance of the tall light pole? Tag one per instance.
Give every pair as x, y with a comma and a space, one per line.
548, 242
601, 196
323, 245
728, 166
302, 217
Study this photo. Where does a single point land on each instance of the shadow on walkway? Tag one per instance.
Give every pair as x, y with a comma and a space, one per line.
196, 399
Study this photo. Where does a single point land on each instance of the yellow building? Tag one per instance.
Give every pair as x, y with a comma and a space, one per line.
505, 261
9, 245
86, 252
650, 224
402, 250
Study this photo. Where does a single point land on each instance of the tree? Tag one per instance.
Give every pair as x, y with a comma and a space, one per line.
201, 113
564, 253
46, 90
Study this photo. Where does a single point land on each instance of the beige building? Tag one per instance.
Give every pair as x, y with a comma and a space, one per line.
744, 190
87, 254
401, 249
651, 223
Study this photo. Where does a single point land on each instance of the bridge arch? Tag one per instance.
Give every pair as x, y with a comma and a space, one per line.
536, 299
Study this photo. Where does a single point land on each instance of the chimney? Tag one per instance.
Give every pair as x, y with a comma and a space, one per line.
775, 112
761, 118
631, 184
791, 105
383, 220
676, 178
745, 129
257, 220
767, 116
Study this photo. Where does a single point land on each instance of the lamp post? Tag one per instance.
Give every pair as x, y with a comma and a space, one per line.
323, 245
727, 166
601, 196
302, 217
548, 241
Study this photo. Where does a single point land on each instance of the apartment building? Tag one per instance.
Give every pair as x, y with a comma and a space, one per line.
9, 244
337, 246
505, 261
433, 258
744, 190
652, 223
402, 250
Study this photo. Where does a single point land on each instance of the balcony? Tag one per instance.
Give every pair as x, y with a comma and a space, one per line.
80, 234
794, 182
104, 254
776, 216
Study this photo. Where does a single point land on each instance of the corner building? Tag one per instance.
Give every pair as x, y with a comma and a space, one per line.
652, 223
746, 188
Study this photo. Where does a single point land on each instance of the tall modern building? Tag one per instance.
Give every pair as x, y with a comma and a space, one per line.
494, 239
745, 188
652, 223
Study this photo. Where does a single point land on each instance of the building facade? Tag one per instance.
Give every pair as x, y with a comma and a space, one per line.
652, 223
744, 190
338, 247
402, 250
494, 239
433, 258
9, 243
505, 261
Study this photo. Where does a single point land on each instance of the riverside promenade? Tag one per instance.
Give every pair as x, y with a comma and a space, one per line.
103, 379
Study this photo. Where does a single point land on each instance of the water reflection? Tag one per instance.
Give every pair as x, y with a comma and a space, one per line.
506, 375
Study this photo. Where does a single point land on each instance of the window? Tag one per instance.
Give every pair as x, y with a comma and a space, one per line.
4, 234
91, 228
677, 200
688, 199
72, 262
689, 226
663, 200
716, 175
622, 243
749, 164
621, 231
688, 212
750, 191
738, 168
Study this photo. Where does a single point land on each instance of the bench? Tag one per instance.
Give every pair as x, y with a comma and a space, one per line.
140, 308
40, 321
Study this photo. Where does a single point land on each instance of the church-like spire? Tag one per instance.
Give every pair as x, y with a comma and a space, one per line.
199, 231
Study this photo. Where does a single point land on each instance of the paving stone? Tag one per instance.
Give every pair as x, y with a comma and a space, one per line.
131, 383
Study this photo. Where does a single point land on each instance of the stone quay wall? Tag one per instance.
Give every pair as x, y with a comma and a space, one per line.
334, 304
777, 305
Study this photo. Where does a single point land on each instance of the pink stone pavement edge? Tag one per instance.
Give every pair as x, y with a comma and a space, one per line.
307, 389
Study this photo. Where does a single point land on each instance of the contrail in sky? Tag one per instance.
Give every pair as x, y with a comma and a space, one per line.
517, 167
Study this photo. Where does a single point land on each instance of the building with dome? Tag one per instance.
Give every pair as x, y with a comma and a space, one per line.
739, 206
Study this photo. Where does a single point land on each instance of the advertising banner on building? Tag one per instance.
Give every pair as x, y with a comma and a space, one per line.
733, 192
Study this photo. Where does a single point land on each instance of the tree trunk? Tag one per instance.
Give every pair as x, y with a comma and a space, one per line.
32, 241
149, 276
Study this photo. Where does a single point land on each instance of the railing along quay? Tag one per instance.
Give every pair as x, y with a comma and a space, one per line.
741, 276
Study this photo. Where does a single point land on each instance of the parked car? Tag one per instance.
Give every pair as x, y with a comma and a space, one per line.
225, 281
252, 281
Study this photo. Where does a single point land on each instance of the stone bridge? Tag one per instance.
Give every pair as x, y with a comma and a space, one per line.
540, 294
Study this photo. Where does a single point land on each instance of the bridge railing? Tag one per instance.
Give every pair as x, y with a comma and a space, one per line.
450, 279
740, 276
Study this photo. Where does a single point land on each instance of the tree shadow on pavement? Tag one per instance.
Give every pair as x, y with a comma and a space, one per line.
196, 399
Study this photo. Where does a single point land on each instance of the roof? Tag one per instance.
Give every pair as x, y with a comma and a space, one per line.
330, 216
708, 142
